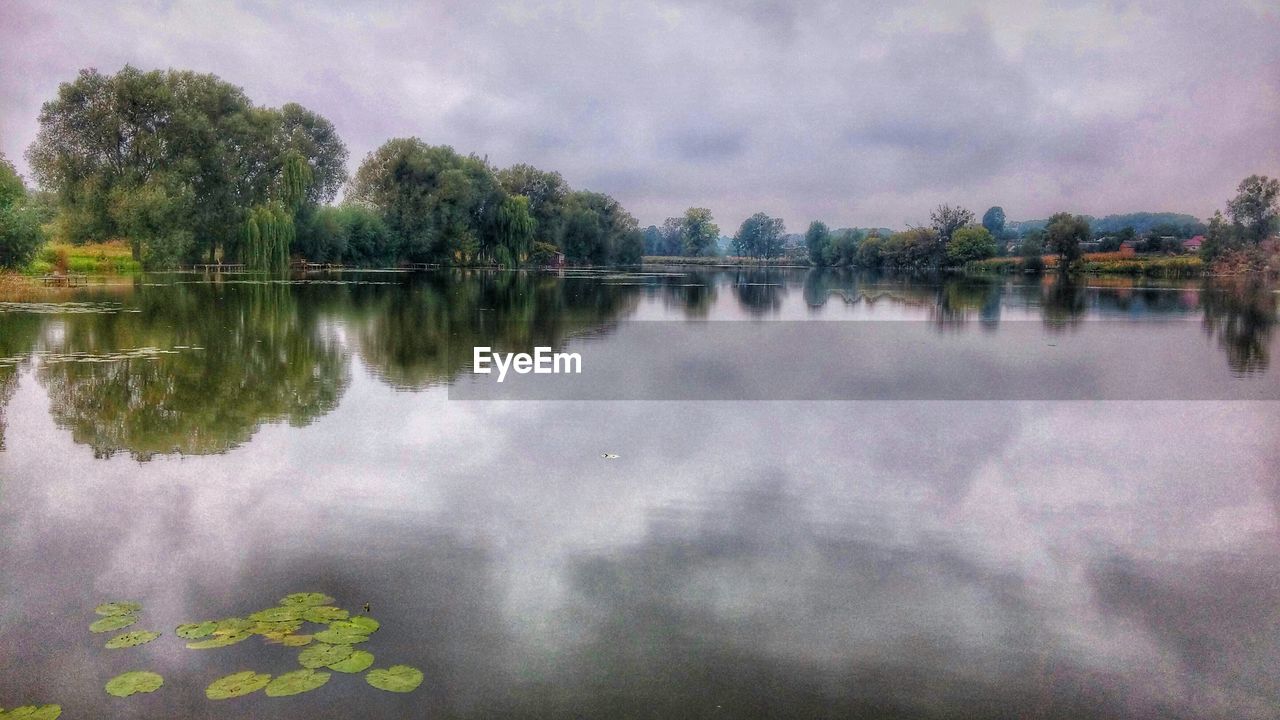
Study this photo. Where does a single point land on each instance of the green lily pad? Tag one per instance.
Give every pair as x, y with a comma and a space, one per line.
218, 641
279, 614
292, 640
321, 654
136, 681
33, 712
341, 637
324, 614
397, 678
275, 628
359, 623
306, 599
112, 622
236, 684
298, 681
358, 661
118, 608
131, 639
233, 625
195, 631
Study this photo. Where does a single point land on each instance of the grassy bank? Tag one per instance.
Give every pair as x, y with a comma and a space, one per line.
1159, 266
722, 261
109, 258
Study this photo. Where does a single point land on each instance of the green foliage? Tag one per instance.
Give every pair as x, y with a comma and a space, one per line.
546, 192
321, 654
33, 712
358, 661
298, 681
1255, 207
131, 639
397, 678
178, 156
20, 233
515, 232
112, 622
267, 236
759, 236
993, 220
815, 241
1064, 233
118, 608
969, 243
946, 220
698, 233
195, 631
135, 681
236, 685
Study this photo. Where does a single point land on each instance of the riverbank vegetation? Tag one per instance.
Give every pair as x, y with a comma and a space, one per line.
182, 168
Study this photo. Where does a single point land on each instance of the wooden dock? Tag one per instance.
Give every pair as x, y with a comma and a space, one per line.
64, 280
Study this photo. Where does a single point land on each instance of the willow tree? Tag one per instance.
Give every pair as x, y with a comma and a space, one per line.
268, 233
515, 225
296, 178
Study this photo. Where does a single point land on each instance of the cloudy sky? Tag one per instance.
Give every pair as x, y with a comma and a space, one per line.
857, 113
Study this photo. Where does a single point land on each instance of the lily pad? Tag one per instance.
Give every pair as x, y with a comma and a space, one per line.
358, 661
397, 678
279, 614
298, 681
275, 628
236, 684
112, 622
306, 599
118, 608
233, 625
135, 681
221, 640
324, 614
296, 640
33, 712
131, 639
195, 631
321, 654
341, 637
359, 623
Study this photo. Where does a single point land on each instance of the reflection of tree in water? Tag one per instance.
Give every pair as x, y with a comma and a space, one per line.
18, 334
1063, 303
1241, 317
406, 333
253, 355
759, 290
960, 299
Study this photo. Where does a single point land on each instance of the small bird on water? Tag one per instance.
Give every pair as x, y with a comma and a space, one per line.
366, 607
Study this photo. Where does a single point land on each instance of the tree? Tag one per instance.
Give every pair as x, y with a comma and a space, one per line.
546, 192
969, 243
313, 138
993, 220
20, 234
698, 233
439, 205
816, 239
946, 220
515, 232
759, 236
1255, 207
842, 247
1064, 233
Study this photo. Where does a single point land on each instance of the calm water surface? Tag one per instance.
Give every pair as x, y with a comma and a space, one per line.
207, 447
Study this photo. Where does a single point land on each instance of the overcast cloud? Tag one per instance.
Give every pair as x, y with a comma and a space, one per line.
857, 113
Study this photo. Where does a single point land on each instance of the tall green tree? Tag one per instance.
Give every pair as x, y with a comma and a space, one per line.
993, 220
515, 232
1256, 206
1063, 235
20, 234
969, 243
815, 240
546, 192
945, 220
698, 233
759, 236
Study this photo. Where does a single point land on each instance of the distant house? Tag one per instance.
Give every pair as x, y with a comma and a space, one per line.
1130, 247
557, 261
1194, 244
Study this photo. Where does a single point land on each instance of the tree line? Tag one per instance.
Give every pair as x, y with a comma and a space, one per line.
188, 169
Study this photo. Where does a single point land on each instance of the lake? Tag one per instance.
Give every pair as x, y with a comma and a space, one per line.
834, 495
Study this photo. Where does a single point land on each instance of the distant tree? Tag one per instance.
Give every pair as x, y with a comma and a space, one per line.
672, 237
969, 243
546, 192
314, 139
652, 240
1218, 238
1064, 233
914, 248
946, 220
1255, 207
993, 220
870, 252
515, 230
20, 234
842, 247
816, 239
759, 236
698, 233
